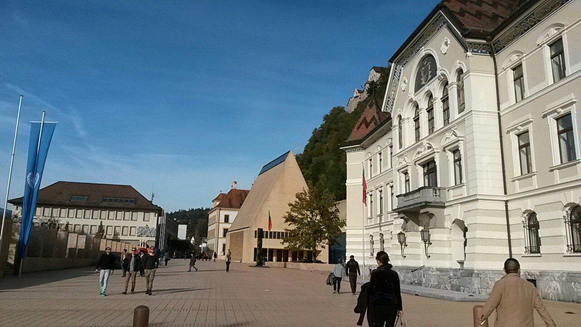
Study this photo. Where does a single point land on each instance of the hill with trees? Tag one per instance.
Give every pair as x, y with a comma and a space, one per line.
322, 162
196, 219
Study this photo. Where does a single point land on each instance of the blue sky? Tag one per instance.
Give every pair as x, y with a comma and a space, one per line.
181, 98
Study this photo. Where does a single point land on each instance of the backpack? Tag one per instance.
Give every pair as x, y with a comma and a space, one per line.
330, 279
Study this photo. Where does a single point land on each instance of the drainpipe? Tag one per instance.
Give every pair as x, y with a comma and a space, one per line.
500, 134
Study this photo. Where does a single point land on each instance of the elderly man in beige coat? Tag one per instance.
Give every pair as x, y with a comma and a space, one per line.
514, 299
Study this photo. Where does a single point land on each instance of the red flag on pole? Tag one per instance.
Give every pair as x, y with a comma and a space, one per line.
269, 222
364, 188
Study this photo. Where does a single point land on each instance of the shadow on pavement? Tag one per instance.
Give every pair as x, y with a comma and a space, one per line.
10, 282
177, 290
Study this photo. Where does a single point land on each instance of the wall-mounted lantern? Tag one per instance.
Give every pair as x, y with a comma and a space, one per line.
425, 234
401, 239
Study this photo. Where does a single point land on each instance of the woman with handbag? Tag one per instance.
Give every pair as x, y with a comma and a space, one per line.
384, 304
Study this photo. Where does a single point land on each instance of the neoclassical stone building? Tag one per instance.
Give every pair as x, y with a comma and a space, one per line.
474, 155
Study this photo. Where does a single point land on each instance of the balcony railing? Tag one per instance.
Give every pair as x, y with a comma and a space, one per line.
423, 197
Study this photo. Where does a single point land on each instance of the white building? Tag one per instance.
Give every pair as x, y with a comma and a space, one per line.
125, 214
225, 207
478, 158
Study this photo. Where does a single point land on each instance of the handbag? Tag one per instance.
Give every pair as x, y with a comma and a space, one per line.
399, 321
330, 279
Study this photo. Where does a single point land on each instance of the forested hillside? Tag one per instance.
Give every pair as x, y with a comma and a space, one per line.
196, 219
322, 162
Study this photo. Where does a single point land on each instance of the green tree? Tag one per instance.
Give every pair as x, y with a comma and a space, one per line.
314, 221
196, 219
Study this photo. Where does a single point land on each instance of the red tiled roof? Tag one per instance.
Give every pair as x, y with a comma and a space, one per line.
60, 193
481, 16
219, 197
369, 120
234, 199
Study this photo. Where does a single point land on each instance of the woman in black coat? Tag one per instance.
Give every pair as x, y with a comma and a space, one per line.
384, 303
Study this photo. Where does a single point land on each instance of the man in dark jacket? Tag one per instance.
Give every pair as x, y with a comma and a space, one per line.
193, 261
150, 264
105, 267
133, 267
353, 271
124, 263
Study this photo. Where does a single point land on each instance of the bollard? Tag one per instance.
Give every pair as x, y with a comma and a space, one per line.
141, 316
477, 312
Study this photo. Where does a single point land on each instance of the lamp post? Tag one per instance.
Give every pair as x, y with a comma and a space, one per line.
401, 239
425, 234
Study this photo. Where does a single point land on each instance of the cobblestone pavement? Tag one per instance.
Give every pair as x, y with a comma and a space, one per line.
211, 297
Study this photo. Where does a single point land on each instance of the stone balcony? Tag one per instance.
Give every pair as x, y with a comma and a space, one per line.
423, 197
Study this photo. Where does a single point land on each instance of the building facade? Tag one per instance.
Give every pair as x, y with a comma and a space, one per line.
221, 216
125, 214
478, 159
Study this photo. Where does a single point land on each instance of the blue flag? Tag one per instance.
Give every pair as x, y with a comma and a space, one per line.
37, 152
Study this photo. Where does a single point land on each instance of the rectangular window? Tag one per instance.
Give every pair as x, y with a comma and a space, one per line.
417, 127
430, 174
125, 231
46, 212
80, 198
111, 215
524, 153
78, 228
392, 197
446, 107
224, 232
94, 229
119, 215
380, 204
406, 179
226, 218
519, 83
370, 167
566, 138
126, 215
85, 229
134, 216
431, 125
370, 205
96, 214
457, 167
109, 230
103, 215
389, 155
71, 213
132, 231
63, 213
380, 157
557, 60
117, 231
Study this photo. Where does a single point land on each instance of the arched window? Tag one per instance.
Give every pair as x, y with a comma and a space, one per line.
573, 219
417, 122
430, 112
400, 132
532, 239
460, 90
445, 106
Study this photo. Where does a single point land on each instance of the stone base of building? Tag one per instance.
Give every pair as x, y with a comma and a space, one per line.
552, 285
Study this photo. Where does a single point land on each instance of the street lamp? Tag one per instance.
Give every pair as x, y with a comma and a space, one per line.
425, 234
401, 239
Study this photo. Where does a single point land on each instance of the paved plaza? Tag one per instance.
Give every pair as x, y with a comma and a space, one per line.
211, 297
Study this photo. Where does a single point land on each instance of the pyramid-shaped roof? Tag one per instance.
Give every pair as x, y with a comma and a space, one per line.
277, 185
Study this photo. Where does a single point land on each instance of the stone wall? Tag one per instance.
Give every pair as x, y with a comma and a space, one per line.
554, 285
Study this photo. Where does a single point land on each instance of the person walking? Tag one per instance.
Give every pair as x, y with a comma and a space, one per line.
193, 261
167, 257
384, 303
514, 299
132, 269
215, 256
353, 271
150, 264
124, 263
228, 260
105, 267
338, 273
141, 270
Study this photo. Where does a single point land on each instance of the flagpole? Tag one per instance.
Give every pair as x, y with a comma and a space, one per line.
35, 169
363, 216
10, 175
